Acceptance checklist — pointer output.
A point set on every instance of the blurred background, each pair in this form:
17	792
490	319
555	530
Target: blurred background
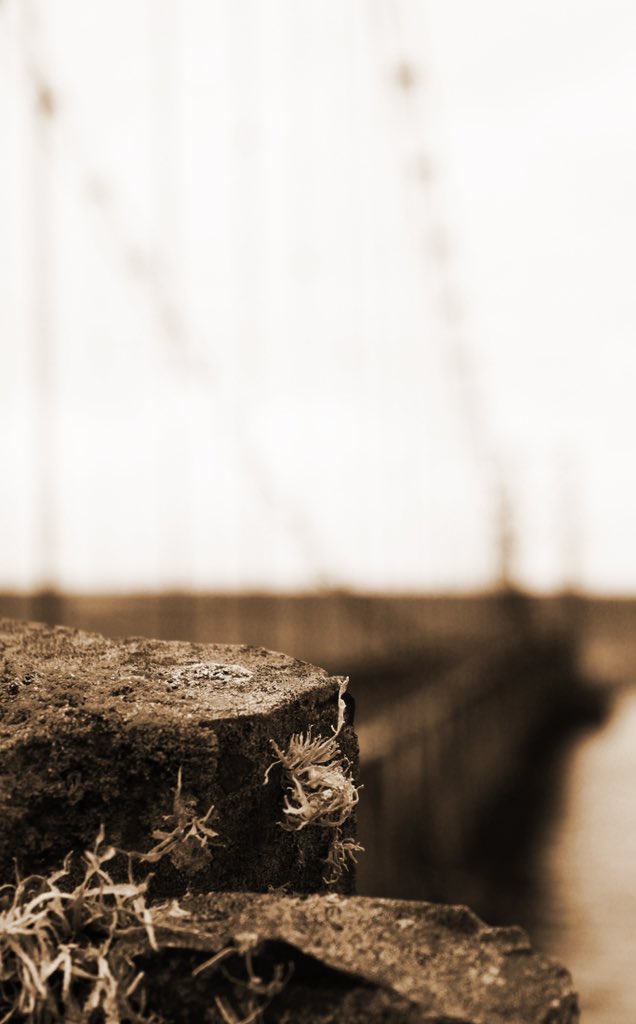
317	328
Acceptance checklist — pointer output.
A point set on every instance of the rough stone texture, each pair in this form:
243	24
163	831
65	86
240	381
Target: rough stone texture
357	959
94	731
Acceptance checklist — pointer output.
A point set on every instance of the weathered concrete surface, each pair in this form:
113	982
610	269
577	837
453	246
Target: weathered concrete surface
94	731
355	959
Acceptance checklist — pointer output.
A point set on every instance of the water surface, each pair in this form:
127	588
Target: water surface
586	914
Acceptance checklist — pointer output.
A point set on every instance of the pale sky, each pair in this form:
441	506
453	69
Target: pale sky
249	231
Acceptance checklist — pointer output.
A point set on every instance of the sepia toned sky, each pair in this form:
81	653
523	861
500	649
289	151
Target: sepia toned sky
303	294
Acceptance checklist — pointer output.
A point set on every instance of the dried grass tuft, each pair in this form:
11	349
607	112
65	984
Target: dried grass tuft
56	960
187	836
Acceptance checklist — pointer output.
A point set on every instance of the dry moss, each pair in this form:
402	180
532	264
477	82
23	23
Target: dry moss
320	791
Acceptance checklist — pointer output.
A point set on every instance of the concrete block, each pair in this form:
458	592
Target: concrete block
354	959
144	737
